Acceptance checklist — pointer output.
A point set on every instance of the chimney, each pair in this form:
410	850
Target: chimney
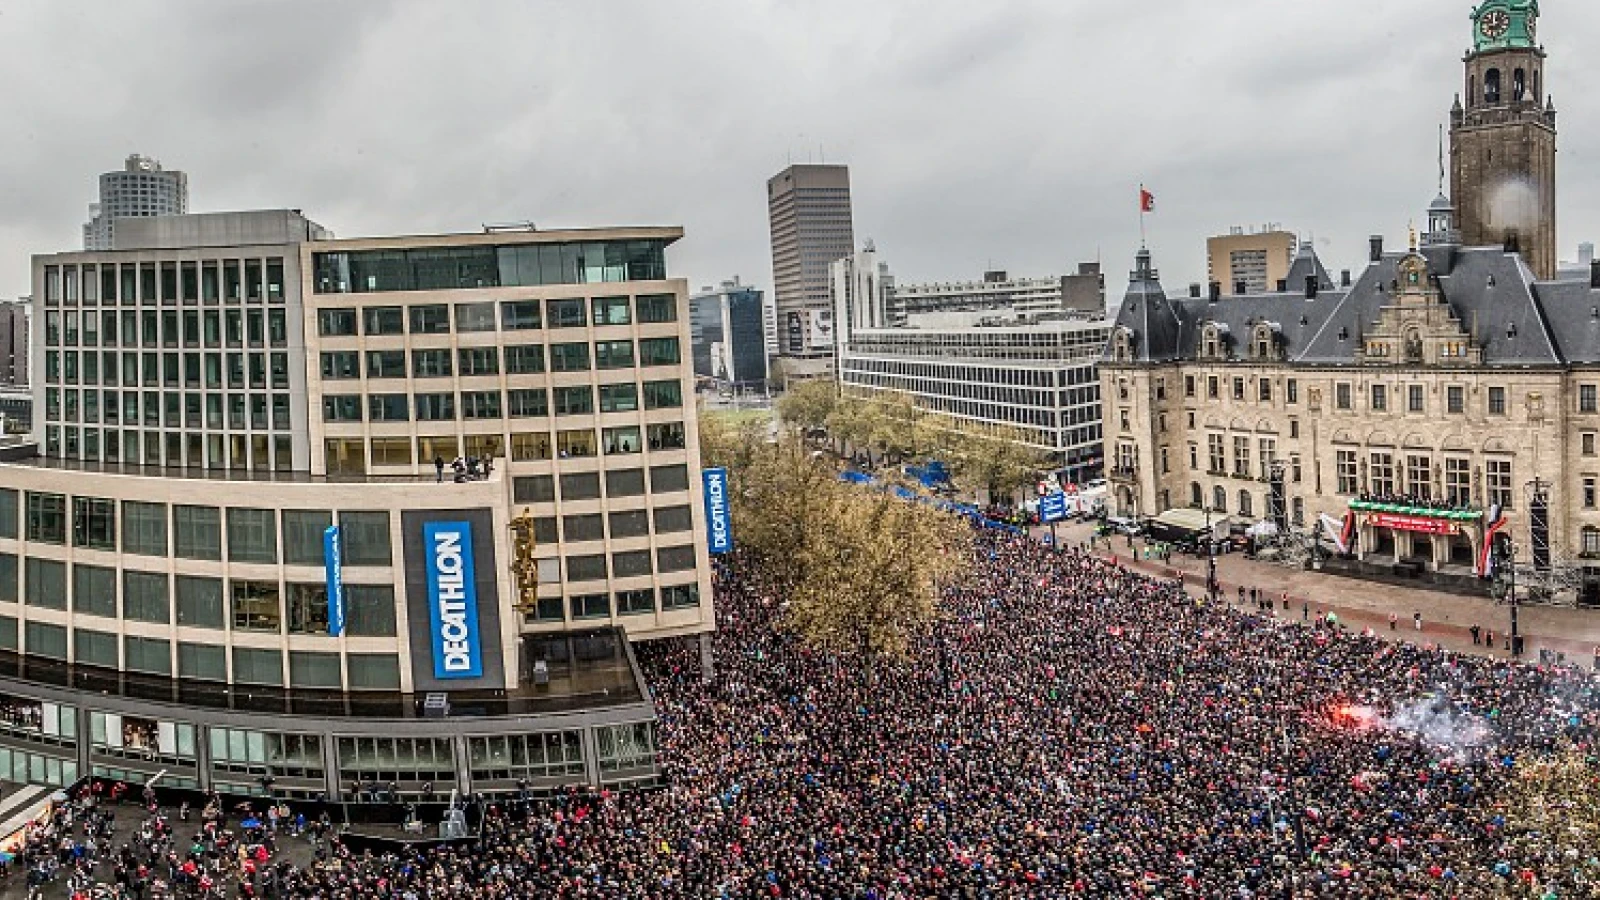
1216	291
1344	278
1194	290
1376	242
1311	287
1283	285
1240	288
1594	274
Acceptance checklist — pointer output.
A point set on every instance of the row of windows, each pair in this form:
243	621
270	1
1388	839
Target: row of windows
167	328
255	452
994	375
243	605
192	410
192	370
623	603
523	359
1378	399
1385	473
1247	505
197	531
486	266
514	315
586	485
167	283
572	400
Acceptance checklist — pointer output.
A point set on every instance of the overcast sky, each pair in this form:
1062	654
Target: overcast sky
1003	133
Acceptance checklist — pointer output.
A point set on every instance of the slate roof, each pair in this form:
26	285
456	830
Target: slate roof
1517	320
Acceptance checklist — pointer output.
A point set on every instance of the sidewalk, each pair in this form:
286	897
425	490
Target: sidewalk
1359	604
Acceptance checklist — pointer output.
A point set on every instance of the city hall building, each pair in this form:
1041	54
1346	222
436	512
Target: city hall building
309	513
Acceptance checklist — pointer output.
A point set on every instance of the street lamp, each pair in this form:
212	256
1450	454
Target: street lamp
1212	588
1505	586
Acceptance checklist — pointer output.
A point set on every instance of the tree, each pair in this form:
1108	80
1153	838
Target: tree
858	569
809	405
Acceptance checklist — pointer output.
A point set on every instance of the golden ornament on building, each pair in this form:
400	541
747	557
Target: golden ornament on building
524	567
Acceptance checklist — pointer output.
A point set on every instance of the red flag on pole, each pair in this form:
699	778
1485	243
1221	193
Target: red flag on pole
1147	200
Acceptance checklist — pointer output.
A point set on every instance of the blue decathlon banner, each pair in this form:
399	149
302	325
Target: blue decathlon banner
333	566
452	600
719	526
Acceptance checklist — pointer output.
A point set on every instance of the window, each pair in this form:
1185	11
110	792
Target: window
94	590
383	320
567	314
479	360
569	357
1211	387
1587	399
94	648
623	440
1414	398
573	401
308	608
519	315
256	606
341	408
533	489
1246	504
1291	391
613	354
144	597
680	596
619	398
625	483
658	351
432	318
1238	388
612	311
673	519
663	395
1455	398
1345	463
1380	398
473	317
1419	477
1188	386
590	606
1241	457
1588	493
392	451
636	602
630	564
302	536
1381	476
1341	396
1458	481
666	436
480	404
251	666
436	407
654	308
430	363
675	559
94	523
8	513
1216	456
45	583
341	364
199	601
669	479
630	524
369	610
366	538
386	364
374	671
197	532
388	407
575	529
576	443
1497	473
589	567
527	403
524	359
1497	401
1591	541
252	536
1268	448
1586	443
580	486
336	322
1264	390
47	518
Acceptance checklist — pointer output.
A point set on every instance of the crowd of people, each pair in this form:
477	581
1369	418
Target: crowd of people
1067	728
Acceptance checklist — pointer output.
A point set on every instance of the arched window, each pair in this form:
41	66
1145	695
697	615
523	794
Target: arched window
1519	85
1246	507
1219	498
1491	86
1197	497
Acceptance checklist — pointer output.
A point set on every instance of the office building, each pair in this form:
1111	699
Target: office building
1084	292
811	222
1000	291
728	331
862	291
142	189
14	343
242	551
1250	262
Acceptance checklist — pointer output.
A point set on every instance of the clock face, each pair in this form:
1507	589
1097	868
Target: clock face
1494	24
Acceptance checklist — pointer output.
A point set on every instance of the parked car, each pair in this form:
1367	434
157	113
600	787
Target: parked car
1119	525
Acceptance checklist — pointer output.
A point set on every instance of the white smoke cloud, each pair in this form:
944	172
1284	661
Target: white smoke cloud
1514	203
1440	724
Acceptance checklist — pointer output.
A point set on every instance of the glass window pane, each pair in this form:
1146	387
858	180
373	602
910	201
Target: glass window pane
144	597
366	538
94	590
144	528
252	536
199	601
302	536
369	610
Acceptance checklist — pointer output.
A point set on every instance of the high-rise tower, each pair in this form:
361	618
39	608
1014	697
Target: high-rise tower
809	211
1503	138
143	188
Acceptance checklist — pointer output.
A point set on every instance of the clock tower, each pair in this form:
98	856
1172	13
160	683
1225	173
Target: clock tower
1503	138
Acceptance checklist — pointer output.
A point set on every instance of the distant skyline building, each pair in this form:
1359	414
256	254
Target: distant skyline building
809	212
728	334
1250	262
862	289
14	342
140	190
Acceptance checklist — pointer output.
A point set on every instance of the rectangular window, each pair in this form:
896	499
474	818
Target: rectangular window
474	317
142	654
383	320
435	407
630	564
431	363
480	404
302	536
586	568
479	361
336	322
1586	443
1264	390
1588	493
1346	465
339	364
1381	474
527	403
366	538
45	583
1455	399
199	601
46	640
530	447
1211	387
612	311
1241	457
526	359
573	401
1188	387
8	513
433	318
625	483
669	479
1497	475
94	590
197	532
663	395
675	559
656	308
673	519
533	489
580	486
308	608
1341	396
386	364
621	441
204	662
1414	398
577	529
619	398
1238	388
94	523
252	535
589	606
1380	398
369	610
1587	399
680	596
1291	391
630	524
341	408
388	407
251	666
637	602
47	518
658	351
94	648
256	606
374	671
576	443
1419	478
567	314
519	315
1497	401
569	357
613	354
144	597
